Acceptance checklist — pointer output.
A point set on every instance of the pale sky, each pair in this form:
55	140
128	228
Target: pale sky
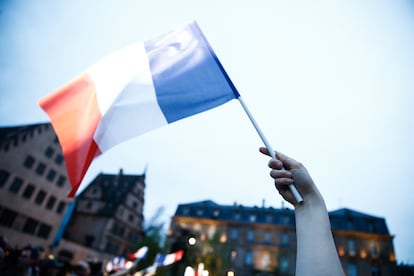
330	83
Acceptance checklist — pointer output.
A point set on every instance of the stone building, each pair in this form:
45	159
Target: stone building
262	241
33	185
112	209
107	216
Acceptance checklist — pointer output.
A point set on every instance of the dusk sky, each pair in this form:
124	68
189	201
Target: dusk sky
331	83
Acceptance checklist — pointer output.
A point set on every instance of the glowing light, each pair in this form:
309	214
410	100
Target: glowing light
192	241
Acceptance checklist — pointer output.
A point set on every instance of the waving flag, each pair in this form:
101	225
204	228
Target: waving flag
139	254
167	259
134	90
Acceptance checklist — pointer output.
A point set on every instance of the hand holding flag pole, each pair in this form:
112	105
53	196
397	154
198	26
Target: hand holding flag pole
292	187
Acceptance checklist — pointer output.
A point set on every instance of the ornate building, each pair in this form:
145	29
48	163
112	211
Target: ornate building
262	241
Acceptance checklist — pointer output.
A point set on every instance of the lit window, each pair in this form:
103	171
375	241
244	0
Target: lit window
265	261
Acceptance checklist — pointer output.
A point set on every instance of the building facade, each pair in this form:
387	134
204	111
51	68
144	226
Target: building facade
112	208
262	241
107	216
33	185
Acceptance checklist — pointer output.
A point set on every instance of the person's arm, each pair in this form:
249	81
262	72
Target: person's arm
316	252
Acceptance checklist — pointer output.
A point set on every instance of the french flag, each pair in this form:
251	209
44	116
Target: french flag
167	259
139	88
139	254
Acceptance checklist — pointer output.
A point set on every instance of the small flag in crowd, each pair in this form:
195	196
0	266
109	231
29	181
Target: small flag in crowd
139	254
134	90
167	259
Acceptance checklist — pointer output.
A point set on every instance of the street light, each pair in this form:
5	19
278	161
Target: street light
192	241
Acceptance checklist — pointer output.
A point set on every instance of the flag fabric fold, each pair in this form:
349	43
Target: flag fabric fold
136	89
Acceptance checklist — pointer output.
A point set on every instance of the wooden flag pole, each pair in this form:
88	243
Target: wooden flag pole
292	187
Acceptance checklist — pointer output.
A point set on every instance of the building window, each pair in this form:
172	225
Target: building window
248	260
352	269
286	220
40	197
30	226
89	205
284	239
28	191
237	216
284	264
49	152
61	181
374	250
252	217
41	167
265	261
4	176
375	271
7	217
28	162
51	175
267	238
269	219
61	207
59	159
216	212
351	247
234	233
200	212
50	202
131	218
44	231
16	185
250	235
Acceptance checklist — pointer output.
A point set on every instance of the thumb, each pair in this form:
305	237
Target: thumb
288	162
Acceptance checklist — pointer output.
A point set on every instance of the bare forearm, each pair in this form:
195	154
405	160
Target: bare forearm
316	251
